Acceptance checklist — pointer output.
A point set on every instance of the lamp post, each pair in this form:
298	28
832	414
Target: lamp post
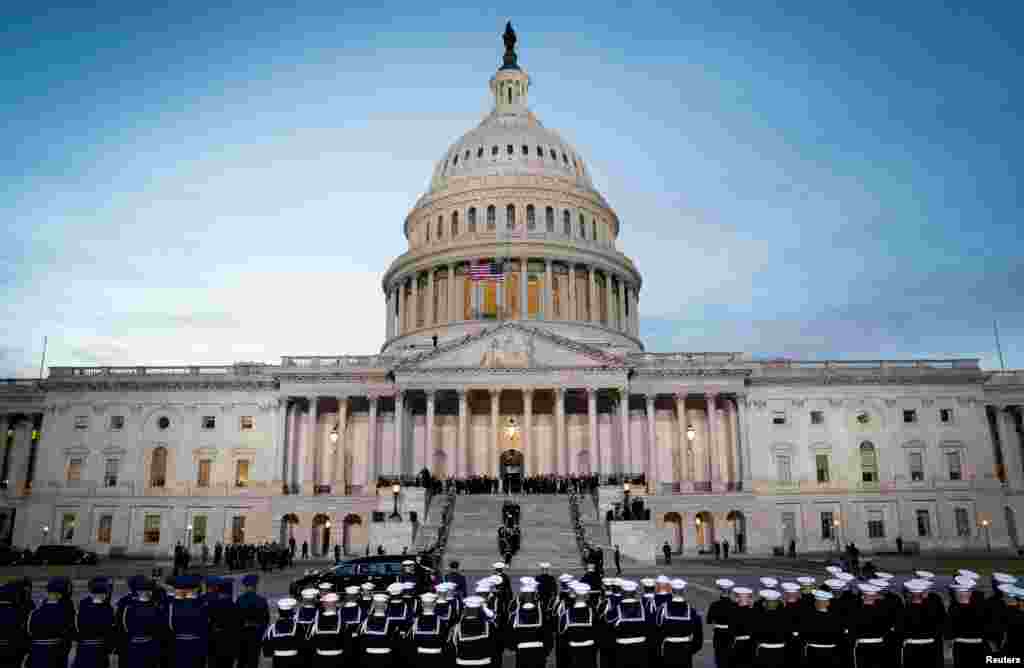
188	538
988	534
395	489
327	527
46	532
835	533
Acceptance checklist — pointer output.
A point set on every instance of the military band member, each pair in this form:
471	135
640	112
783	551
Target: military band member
578	632
720	617
94	627
822	634
741	623
283	642
996	607
680	630
427	638
408	575
965	626
328	638
474	640
527	635
351	613
144	626
377	636
919	627
253	619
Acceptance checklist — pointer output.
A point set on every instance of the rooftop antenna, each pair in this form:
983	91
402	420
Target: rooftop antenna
999	348
42	362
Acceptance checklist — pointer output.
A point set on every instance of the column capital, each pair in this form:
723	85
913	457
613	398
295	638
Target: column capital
650	398
527	391
680	396
494	392
431	395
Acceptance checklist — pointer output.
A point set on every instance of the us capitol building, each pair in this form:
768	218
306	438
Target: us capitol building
512	347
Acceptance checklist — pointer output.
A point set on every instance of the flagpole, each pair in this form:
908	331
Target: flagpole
42	362
999	348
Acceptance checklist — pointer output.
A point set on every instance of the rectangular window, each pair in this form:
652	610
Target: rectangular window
110	473
75	469
209	422
909	416
876	525
116	422
916	467
242	473
67	528
784	469
826	526
105	530
817	417
963	528
946	415
788	527
779	417
246	423
203	479
924	524
821	463
199	529
151	530
953	464
237	529
81	422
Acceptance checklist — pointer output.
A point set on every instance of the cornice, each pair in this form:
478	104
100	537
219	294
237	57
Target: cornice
117	385
866	379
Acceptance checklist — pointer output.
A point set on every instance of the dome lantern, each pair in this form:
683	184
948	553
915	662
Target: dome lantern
510	83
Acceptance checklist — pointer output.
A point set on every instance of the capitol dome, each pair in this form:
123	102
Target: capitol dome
511	228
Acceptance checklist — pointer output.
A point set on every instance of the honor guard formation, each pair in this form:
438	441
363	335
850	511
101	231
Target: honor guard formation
577	623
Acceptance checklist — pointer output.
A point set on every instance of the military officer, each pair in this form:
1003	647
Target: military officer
409	574
528	634
282	642
253	619
474	640
328	639
94	627
144	625
578	631
374	644
720	618
680	630
427	638
966	626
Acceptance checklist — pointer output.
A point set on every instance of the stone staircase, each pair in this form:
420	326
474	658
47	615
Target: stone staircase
547	533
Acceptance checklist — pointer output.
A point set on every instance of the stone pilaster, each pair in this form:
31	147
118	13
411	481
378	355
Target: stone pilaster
572	293
651	447
309	446
714	443
492	456
428	441
373	463
529	453
627	451
685	484
459	466
548	288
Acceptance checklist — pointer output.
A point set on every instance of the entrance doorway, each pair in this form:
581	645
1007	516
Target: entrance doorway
512	471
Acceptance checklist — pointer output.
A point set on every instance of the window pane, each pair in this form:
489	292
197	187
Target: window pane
242	473
105	529
246	422
876	525
821	462
159	468
237	529
67	528
209	422
75	469
110	474
924	525
826	526
962	527
785	473
152	529
916	466
199	529
203	479
116	422
953	462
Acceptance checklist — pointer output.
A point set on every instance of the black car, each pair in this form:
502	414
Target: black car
380	570
11	556
64	555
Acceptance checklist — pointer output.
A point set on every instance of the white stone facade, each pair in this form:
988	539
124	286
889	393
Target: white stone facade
546	363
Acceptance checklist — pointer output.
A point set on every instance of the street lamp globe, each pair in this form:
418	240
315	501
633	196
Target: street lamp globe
691	433
835	523
334	435
698	520
625	487
396	488
328	524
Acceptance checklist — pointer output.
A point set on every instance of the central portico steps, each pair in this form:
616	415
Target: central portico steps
547	532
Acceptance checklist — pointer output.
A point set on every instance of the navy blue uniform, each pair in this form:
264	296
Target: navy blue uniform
13	641
253	619
189	626
49	636
224	641
94	631
680	634
144	627
283	643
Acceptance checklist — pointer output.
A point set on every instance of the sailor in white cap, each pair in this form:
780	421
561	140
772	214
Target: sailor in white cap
632	633
680	628
547	587
772	631
921	626
821	632
327	637
475	640
446	606
366	597
719	617
868	627
792	610
306	613
577	631
528	633
375	640
648	586
282	641
398	612
428	635
662	591
743	623
765	583
968	623
351	612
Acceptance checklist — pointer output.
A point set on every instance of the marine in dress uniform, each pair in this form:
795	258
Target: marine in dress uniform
474	640
869	630
772	631
720	618
189	624
282	642
13	642
329	641
919	627
633	631
822	634
578	632
144	625
426	642
966	625
375	643
527	635
94	627
253	620
680	629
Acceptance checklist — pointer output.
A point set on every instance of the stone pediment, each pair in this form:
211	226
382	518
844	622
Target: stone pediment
511	346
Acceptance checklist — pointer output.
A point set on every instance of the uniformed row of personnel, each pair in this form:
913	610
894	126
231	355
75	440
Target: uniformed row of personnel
866	624
147	628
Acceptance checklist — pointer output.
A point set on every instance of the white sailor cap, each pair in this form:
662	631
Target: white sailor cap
924	575
823	595
329	597
884	576
473	602
678	584
1017	592
724	583
790	587
428	597
527	580
544	565
743	591
967	585
495	580
835	583
309	593
286	604
965	581
395	588
806	580
352	591
868	588
483	587
367	586
770	583
408	586
581	588
445	586
968	574
662	579
769	594
833	569
498	565
565	577
1003	578
528	588
846	577
408	562
647	582
628	586
325	586
380	598
881	583
608	582
916	586
1006	588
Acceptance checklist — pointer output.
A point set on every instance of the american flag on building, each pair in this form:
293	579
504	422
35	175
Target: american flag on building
487	271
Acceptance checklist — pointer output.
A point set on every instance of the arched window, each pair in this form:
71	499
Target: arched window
549	219
566	224
472	219
491	216
531	217
455	224
583	228
480	152
510	216
540	152
440	226
158	469
868	462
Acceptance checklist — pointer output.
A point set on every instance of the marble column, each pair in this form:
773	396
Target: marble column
714	443
592	445
307	445
430	317
326	446
622	324
399	450
492	455
1010	445
609	300
461	467
281	451
548	288
428	441
561	445
651	446
524	308
733	440
452	310
593	311
686	485
387	315
636	312
572	293
341	481
743	431
401	308
529	455
627	452
415	302
372	449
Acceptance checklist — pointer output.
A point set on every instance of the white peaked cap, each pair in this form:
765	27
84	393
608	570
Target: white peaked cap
790	586
324	586
880	583
528	589
565	577
833	569
823	595
495	580
526	579
498	565
915	586
408	586
309	593
963	586
286	604
351	590
1017	592
628	586
742	591
395	588
445	586
678	585
835	583
769	594
647	582
924	575
1004	578
582	588
965	581
408	562
868	588
366	586
428	597
884	576
662	579
724	583
1006	587
330	597
380	598
473	602
608	582
483	587
846	577
968	574
769	582
806	580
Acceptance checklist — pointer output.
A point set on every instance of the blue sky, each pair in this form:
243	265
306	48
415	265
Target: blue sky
197	184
